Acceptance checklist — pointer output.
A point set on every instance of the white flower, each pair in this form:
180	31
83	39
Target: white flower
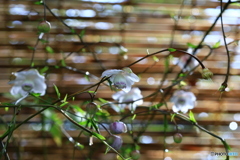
28	81
183	101
134	97
184	59
121	79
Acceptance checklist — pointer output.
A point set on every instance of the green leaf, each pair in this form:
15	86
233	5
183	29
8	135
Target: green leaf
94	125
216	45
191	45
87	77
32	64
102	100
191	117
30	47
73	31
55	131
49	49
172	116
36	94
63	104
155	59
91	91
156	106
56	66
134	116
99	136
38	3
171	49
82	33
57	91
44	69
65	98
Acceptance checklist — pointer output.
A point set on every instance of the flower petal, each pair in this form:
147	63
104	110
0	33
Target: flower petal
110	72
117	95
175	109
133	77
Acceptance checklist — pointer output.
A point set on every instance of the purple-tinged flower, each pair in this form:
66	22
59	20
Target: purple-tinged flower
183	101
28	81
115	141
134	97
121	79
118	127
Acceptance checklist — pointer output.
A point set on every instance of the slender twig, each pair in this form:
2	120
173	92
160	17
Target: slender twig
225	82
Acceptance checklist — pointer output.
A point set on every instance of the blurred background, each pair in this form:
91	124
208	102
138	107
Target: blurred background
89	36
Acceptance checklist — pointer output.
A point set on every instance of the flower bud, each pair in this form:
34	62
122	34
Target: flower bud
135	154
118	127
91	108
177	138
206	73
115	142
44	27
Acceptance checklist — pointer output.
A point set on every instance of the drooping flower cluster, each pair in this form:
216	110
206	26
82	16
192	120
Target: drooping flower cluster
134	97
121	79
183	101
116	128
27	82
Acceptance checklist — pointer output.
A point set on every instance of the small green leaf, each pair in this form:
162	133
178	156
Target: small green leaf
63	63
38	3
171	49
30	47
191	45
56	66
63	104
134	116
36	94
91	91
87	77
73	31
99	136
82	33
49	49
156	106
216	45
155	59
55	131
57	91
182	75
102	100
172	116
32	64
44	69
191	117
65	98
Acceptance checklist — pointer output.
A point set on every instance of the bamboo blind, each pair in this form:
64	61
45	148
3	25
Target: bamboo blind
140	26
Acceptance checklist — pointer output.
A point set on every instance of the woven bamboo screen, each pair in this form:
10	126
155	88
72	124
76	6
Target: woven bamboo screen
88	37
